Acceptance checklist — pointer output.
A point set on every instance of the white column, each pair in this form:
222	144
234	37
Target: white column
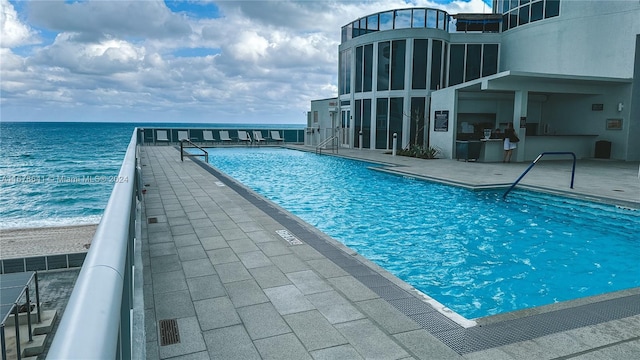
520	111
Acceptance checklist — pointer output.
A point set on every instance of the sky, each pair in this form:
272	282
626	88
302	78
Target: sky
195	61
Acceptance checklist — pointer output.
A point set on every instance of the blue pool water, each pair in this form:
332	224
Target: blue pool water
472	251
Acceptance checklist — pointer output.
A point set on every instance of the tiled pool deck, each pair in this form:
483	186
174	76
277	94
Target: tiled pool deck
214	262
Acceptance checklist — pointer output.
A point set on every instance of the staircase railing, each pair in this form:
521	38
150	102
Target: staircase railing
183	154
324	143
573	169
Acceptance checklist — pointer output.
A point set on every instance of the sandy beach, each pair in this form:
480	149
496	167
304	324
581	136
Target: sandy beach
16	243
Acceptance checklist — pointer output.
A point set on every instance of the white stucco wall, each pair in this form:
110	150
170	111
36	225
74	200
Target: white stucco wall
591	38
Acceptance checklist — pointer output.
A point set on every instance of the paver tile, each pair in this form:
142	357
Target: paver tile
269	276
199	267
314	330
230	343
285	346
370	341
246	292
254	259
231	272
288	299
262	321
308	282
205	287
216	313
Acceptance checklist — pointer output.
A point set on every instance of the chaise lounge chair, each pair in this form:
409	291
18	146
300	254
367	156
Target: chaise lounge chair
275	136
183	135
207	135
257	137
161	135
244	136
224	136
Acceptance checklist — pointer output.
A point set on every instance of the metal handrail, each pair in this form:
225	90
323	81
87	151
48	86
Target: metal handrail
98	317
573	169
324	143
182	154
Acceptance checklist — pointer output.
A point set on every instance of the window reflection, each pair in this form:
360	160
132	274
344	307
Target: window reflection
432	19
372	22
403	19
418	18
442	21
386	20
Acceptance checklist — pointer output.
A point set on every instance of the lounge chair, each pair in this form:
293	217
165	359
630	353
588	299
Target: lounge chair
161	135
224	136
257	137
207	135
275	136
244	136
183	135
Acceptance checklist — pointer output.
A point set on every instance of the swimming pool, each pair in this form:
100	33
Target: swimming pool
472	251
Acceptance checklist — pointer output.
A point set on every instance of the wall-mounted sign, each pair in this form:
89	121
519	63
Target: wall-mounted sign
597	107
441	121
614	124
523	122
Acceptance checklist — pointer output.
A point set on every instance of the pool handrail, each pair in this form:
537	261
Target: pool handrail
98	316
533	163
183	154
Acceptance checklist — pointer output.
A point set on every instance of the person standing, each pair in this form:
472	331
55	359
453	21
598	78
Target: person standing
510	141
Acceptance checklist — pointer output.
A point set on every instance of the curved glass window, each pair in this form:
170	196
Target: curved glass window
442	20
524	15
418	18
420	47
384	60
472	63
403	19
552	8
436	65
372	22
397	19
489	59
398	48
522	12
536	11
386	20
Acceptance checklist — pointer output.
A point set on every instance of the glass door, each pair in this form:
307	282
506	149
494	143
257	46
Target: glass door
345	128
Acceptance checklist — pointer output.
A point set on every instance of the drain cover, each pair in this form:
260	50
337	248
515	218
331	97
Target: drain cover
152	220
169	333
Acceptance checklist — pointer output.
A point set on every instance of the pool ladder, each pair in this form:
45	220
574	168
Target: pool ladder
573	169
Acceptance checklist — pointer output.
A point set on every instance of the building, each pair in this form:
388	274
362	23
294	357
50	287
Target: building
561	71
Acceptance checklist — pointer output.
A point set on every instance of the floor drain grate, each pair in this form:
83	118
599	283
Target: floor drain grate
169	333
152	220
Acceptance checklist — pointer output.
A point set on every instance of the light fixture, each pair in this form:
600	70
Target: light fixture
620	107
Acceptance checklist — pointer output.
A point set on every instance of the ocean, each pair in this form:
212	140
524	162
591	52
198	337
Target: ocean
57	174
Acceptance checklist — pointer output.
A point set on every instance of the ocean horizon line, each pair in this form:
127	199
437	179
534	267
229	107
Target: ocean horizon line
234	125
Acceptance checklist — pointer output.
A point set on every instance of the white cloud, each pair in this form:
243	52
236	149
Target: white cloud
14	32
117	60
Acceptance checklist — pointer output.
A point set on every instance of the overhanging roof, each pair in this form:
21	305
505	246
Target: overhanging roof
543	83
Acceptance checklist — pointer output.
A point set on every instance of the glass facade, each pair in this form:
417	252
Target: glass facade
372	75
521	12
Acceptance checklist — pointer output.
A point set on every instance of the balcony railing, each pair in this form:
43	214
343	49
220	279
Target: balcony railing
98	318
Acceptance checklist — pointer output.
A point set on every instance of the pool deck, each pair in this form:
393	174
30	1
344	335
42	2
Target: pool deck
216	260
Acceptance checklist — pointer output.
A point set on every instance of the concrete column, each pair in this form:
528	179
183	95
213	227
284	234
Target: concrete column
520	111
